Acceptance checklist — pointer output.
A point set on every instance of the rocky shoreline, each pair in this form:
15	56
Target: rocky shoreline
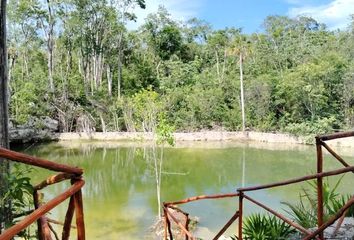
47	129
203	136
34	130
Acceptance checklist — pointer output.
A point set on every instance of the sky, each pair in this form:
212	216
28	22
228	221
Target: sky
249	14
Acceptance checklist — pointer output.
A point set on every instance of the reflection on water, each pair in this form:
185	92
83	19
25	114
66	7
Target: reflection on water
120	190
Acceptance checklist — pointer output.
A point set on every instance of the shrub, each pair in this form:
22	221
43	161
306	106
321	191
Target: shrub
310	129
20	194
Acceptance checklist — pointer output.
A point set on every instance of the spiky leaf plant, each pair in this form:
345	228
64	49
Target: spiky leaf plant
266	227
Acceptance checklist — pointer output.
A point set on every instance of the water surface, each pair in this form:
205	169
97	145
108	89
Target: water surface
120	192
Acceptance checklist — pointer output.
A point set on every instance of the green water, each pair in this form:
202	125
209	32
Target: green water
120	194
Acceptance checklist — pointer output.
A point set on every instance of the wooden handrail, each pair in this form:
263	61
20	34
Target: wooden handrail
167	225
334	154
79	214
335	135
318	234
36	214
34	161
297	180
202	197
280	216
53	180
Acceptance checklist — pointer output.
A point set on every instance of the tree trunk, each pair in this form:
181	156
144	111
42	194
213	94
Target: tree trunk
120	64
5	208
65	96
224	66
103	124
50	47
242	95
217	65
119	73
50	67
109	80
9	75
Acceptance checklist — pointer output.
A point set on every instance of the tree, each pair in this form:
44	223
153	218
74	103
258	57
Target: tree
163	36
240	49
295	70
123	16
44	14
5	208
47	22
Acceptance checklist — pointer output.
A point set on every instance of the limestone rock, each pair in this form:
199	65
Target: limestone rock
34	130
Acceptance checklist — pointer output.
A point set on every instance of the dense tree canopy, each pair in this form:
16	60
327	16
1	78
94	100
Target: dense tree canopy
77	62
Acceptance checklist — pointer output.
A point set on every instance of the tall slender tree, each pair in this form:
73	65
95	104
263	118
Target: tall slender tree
239	50
5	207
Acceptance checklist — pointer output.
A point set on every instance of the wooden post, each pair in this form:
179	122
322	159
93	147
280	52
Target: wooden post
187	225
39	221
168	223
46	233
240	211
68	219
319	186
179	224
165	224
42	224
331	220
79	213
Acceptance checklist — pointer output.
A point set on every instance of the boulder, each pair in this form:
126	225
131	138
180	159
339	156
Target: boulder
50	124
345	232
34	130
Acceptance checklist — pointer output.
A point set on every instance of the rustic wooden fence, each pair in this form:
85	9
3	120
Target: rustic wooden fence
241	194
45	229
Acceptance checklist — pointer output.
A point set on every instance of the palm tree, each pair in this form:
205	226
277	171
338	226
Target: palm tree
239	49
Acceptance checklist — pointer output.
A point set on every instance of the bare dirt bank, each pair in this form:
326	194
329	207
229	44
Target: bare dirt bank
207	136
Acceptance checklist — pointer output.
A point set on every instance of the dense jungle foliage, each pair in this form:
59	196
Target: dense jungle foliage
76	61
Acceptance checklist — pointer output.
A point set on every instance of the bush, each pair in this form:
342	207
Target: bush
309	130
20	194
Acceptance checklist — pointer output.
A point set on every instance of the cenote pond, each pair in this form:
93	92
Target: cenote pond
120	192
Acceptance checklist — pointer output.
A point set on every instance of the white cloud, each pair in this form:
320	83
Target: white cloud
179	10
335	14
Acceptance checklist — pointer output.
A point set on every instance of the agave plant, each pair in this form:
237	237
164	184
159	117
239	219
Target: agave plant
305	211
303	214
340	202
265	227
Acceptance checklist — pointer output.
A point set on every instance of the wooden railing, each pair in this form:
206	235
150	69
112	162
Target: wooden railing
45	229
240	193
